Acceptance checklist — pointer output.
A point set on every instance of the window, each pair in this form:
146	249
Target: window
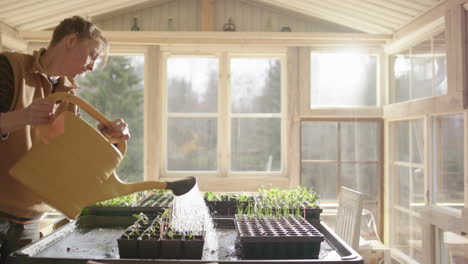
407	172
420	71
452	248
342	153
344	80
117	91
448	160
231	125
192	114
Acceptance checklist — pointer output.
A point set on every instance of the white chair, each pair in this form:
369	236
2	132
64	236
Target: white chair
348	219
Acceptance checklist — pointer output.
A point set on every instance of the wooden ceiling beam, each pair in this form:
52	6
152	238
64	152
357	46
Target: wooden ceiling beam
279	39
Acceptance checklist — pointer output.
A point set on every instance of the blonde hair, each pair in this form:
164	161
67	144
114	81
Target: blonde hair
83	29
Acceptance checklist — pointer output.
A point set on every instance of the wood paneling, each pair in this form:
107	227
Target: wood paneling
246	15
185	17
249	16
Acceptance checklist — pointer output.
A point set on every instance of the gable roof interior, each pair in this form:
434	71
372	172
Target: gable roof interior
369	16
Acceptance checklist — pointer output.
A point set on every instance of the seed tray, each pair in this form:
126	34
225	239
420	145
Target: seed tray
228	208
283	229
95	238
149	243
154	204
277	238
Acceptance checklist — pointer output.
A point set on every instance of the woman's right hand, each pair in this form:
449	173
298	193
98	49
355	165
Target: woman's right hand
40	111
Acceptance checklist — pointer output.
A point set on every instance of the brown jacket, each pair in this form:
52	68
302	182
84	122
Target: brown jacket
30	82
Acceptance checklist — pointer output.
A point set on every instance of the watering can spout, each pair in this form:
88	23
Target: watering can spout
183	186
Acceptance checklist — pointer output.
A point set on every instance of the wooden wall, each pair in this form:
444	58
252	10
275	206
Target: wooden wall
186	15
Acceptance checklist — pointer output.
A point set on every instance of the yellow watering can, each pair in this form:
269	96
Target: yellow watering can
72	165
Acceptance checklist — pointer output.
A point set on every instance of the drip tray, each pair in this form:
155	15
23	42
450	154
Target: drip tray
95	238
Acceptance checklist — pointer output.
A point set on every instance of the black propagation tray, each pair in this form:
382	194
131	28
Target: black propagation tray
154	204
95	238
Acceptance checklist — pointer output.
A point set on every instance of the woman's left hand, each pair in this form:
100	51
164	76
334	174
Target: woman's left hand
117	129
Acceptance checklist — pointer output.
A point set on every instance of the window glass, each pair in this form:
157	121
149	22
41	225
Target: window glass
251	120
408	194
408	236
417	189
255	90
255	85
192	85
402	192
417	141
319	141
401	76
415	242
448	160
192	144
256	144
117	91
440	64
402	140
452	248
335	154
421	70
357	83
403	232
192	106
360	141
323	178
363	178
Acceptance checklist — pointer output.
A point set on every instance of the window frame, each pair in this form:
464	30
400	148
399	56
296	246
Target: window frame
330	205
224	116
409	50
434	177
392	165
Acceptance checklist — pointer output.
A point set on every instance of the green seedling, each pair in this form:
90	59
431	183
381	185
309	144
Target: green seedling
213	197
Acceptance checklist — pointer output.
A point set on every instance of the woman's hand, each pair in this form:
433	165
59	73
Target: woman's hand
40	111
117	129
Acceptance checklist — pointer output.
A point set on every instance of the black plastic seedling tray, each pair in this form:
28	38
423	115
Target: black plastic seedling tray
154	204
281	237
95	238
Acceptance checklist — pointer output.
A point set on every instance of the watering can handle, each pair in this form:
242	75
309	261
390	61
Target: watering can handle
121	143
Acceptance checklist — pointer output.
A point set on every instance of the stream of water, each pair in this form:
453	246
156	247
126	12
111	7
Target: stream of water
191	215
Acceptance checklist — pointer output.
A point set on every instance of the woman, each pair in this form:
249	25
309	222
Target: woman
25	82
